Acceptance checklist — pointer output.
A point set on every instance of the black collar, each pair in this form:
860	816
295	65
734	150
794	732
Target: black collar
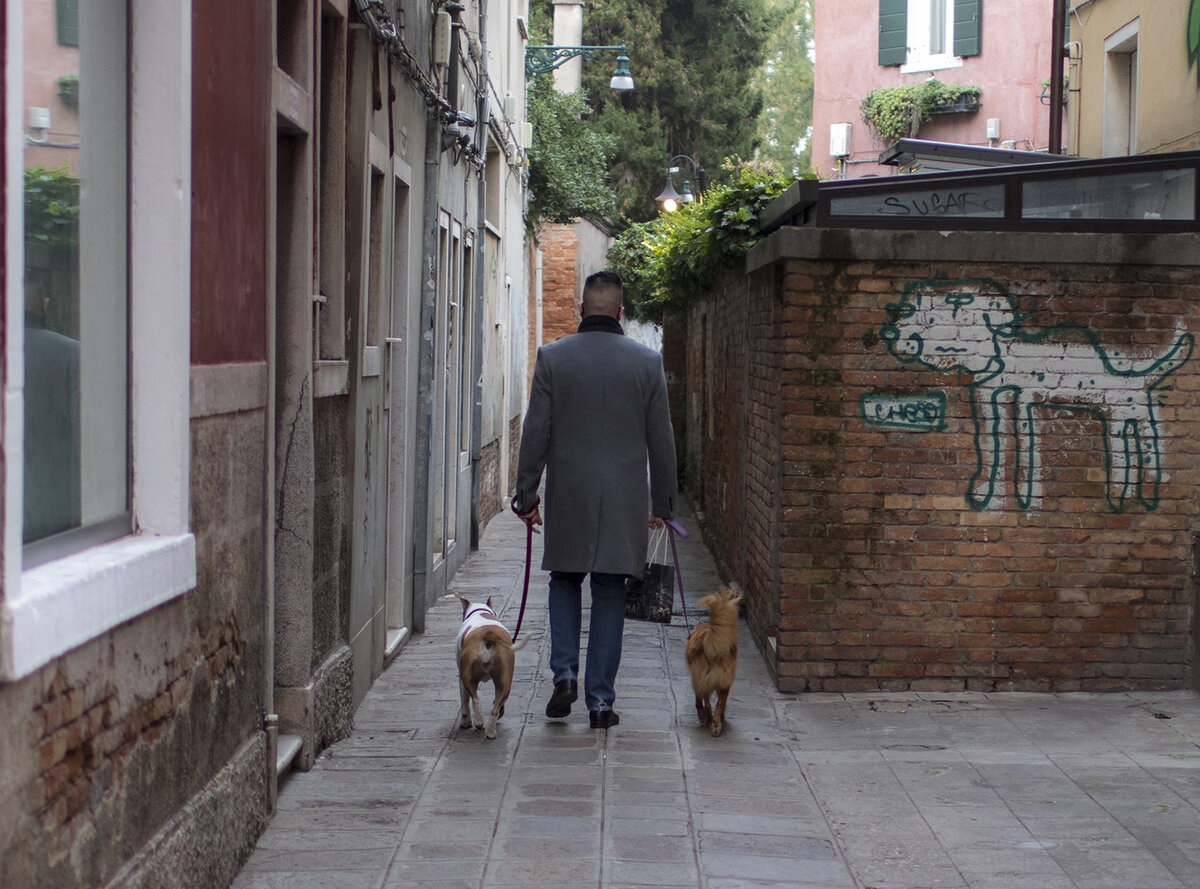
600	324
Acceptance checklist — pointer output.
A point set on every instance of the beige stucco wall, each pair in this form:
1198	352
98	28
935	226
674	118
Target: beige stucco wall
1168	90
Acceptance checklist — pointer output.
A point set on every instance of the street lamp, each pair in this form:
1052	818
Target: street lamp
541	59
669	199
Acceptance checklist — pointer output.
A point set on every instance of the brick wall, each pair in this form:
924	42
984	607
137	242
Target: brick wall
491	498
898	521
675	364
560	289
514	452
85	735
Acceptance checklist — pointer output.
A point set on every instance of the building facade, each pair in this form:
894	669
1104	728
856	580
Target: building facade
264	362
860	46
1121	98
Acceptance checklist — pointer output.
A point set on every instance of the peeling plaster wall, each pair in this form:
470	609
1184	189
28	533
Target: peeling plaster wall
105	745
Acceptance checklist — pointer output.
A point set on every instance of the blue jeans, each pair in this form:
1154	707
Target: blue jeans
604	633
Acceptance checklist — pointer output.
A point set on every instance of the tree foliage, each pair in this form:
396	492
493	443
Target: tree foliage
786	79
568	165
668	260
51	206
693	65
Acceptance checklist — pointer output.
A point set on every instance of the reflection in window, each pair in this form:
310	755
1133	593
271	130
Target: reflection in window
76	350
1151	194
937	27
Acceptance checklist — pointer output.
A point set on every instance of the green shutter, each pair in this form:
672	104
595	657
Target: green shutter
893	32
68	22
968	27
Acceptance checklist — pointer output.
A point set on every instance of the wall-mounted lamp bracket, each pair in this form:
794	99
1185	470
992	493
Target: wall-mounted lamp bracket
542	59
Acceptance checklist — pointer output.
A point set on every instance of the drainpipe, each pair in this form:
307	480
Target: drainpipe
422	529
270	717
1057	40
482	137
538	281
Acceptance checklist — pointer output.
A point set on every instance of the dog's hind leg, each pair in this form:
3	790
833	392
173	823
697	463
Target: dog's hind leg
702	709
1026	458
718	717
476	711
495	714
464	710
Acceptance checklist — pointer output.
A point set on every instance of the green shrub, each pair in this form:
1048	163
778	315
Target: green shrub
667	261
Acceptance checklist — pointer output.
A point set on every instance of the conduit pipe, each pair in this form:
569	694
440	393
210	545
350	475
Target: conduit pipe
482	136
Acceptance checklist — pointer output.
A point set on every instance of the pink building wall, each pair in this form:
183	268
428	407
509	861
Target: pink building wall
1013	61
45	62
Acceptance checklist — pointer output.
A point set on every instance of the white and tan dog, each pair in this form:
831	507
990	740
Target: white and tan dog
485	651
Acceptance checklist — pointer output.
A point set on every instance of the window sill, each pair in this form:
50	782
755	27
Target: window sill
931	63
70	601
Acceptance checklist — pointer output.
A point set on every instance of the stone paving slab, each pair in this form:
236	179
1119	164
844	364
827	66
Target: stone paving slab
862	791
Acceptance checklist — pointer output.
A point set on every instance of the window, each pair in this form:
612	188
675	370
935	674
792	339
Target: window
76	294
105	271
928	35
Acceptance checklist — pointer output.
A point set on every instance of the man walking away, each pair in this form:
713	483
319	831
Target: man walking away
597	413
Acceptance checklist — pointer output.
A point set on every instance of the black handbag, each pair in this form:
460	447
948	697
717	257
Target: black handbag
651	598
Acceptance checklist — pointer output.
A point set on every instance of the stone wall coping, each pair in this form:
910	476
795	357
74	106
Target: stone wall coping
900	245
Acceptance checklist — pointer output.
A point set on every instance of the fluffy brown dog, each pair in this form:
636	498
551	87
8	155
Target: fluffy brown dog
485	651
712	656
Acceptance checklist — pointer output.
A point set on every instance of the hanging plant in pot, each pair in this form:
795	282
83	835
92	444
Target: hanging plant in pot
897	112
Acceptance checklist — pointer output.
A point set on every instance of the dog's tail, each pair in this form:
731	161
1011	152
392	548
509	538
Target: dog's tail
723	605
1176	357
495	636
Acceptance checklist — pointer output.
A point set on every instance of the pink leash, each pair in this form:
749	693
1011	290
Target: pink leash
529	532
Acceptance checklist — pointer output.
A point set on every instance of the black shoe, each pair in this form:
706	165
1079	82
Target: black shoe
565	693
603	718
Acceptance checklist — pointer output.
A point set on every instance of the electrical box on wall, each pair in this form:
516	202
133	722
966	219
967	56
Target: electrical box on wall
442	29
993	128
526	134
38	118
839	140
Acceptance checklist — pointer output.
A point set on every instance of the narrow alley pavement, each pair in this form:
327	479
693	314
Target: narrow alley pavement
880	790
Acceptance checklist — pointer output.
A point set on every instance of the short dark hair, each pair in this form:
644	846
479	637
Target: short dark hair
603	277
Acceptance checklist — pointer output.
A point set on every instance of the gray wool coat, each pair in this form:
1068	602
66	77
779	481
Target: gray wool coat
597	414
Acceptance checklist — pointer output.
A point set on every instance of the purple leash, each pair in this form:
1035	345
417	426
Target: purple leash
677	529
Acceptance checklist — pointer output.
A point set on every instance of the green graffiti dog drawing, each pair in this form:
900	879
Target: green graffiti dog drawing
974	327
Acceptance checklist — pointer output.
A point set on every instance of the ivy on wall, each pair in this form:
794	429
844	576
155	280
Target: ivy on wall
897	112
1193	38
668	260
